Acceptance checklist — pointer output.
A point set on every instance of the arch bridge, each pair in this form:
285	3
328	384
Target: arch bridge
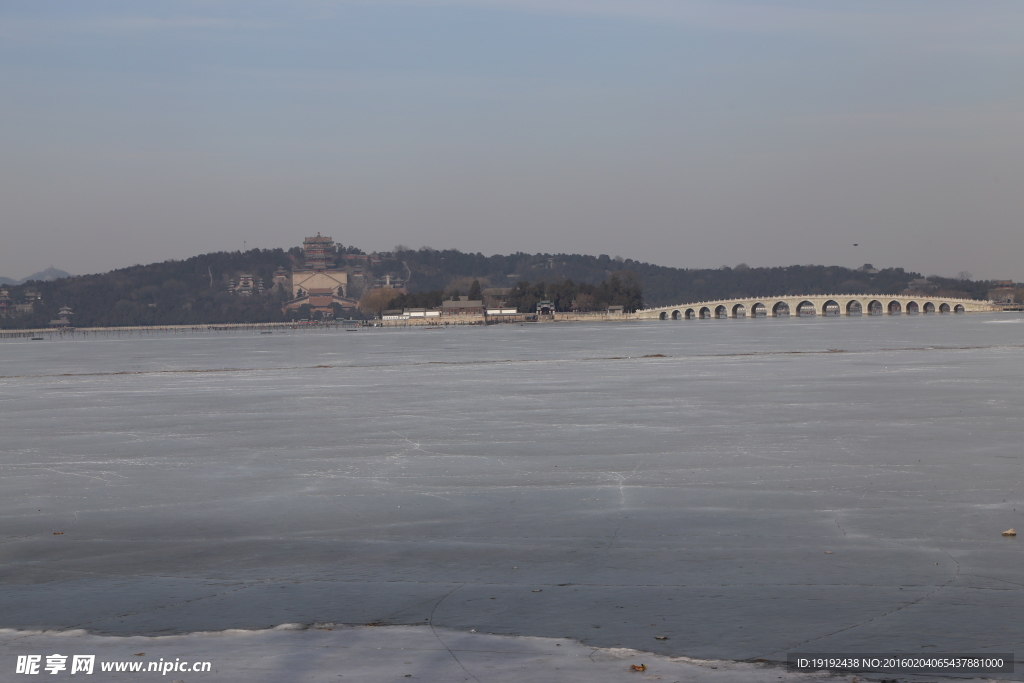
824	305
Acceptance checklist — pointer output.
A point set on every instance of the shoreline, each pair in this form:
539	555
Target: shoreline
597	316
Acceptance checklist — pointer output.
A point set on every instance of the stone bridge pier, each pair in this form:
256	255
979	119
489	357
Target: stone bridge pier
825	305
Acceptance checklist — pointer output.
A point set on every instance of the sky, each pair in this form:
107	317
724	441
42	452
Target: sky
685	133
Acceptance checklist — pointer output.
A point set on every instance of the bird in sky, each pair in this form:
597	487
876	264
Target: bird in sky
856	245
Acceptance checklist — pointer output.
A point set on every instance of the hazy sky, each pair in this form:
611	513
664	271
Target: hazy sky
690	134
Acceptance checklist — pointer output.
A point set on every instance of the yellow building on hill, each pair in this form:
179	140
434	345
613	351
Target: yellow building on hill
319	283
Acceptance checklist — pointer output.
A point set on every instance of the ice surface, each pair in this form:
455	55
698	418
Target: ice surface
232	480
329	652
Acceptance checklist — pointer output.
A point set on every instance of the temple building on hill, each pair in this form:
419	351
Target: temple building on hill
246	285
282	278
63	317
319	272
319	284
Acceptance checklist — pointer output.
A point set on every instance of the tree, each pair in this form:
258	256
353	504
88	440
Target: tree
474	291
621	289
431	299
562	294
583	302
377	301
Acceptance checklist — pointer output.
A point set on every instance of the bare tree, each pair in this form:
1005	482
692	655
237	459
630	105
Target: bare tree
583	302
376	301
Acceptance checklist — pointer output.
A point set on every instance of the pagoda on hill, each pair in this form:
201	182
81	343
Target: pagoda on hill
319	283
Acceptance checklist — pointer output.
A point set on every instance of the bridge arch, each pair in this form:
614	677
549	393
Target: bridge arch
815	305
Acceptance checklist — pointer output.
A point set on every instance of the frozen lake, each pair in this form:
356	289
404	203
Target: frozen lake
750	488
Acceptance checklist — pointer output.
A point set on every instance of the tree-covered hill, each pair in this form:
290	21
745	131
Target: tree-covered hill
662	285
196	290
193	291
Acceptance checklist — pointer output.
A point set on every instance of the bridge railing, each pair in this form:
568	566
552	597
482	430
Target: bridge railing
817	296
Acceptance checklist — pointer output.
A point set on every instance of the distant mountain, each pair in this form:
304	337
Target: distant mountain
48	275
